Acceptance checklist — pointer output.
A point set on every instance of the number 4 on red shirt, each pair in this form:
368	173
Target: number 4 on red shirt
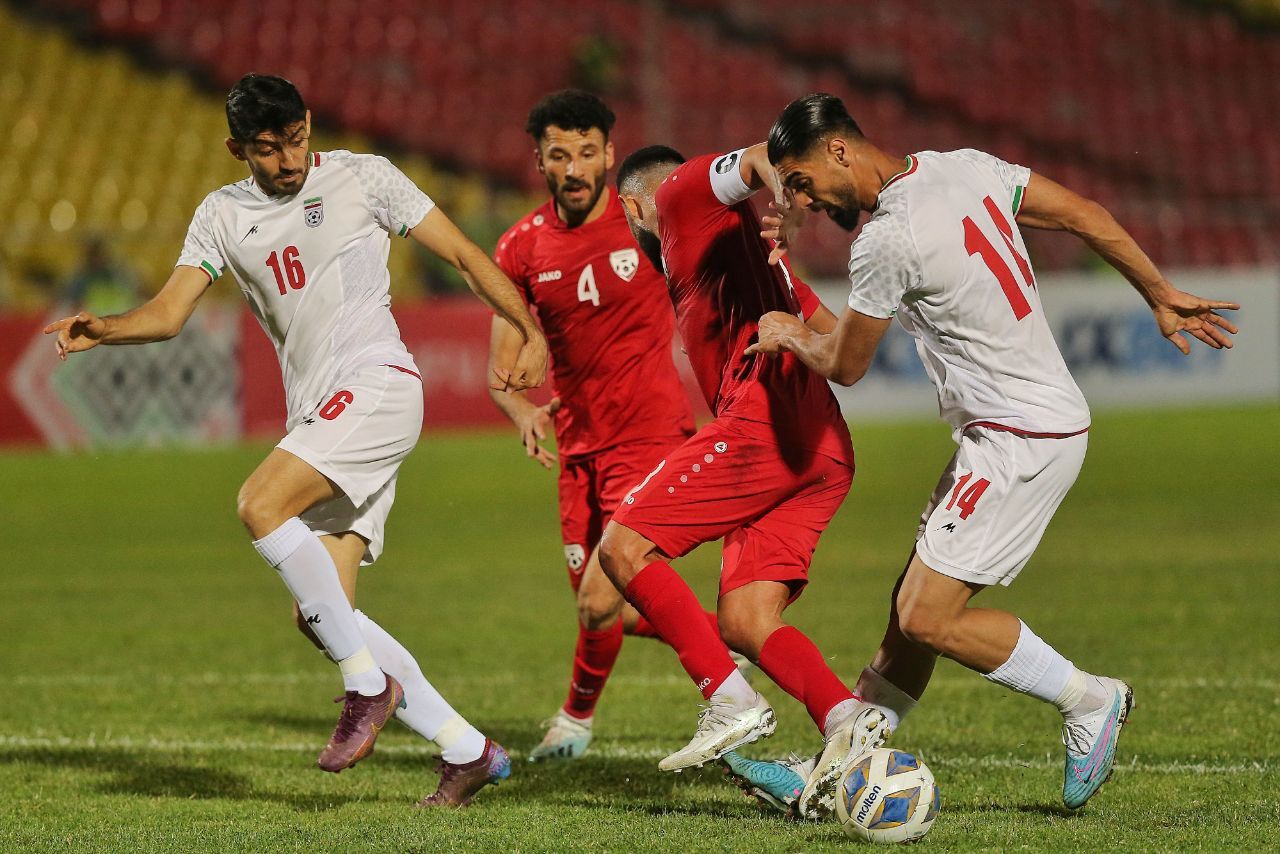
969	500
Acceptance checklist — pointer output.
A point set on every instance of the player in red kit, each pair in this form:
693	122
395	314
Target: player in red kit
767	474
618	403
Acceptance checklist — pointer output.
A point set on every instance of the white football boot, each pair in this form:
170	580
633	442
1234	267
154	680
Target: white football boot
566	738
864	730
1091	744
722	726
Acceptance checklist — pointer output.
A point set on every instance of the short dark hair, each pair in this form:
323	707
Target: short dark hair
643	159
807	120
570	109
263	102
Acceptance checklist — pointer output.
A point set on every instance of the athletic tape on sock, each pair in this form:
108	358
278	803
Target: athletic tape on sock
877	690
454	728
360	662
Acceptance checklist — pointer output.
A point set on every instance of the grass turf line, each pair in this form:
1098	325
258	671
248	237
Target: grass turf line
160	698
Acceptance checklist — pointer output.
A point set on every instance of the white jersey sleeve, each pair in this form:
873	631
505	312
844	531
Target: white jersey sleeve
397	203
1012	178
883	265
200	249
726	178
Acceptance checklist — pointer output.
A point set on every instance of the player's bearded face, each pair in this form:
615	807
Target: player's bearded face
279	161
822	188
574	164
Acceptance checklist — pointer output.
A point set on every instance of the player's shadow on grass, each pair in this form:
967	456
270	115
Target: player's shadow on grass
131	774
1053	810
317	723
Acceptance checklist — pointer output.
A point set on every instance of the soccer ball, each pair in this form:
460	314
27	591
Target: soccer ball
887	796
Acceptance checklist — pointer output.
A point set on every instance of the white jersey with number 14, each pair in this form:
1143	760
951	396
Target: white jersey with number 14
943	252
313	266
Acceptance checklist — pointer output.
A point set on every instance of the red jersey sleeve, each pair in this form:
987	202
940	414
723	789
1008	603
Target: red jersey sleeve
693	190
510	260
809	302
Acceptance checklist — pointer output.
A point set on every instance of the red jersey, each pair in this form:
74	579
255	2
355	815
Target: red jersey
608	322
721	282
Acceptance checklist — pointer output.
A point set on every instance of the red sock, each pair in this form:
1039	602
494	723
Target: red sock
664	599
645	629
792	661
592	662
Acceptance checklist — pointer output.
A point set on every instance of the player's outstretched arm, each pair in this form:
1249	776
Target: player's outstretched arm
531	420
842	355
159	319
1049	205
529	369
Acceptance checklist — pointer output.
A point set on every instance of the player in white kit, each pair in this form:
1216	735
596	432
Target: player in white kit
307	235
942	252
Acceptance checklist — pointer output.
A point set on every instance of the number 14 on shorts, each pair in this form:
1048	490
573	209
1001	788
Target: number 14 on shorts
967	499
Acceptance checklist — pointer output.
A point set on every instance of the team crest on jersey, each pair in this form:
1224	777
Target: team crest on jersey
313	211
625	263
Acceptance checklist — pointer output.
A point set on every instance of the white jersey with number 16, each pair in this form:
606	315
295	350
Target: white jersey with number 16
943	252
313	266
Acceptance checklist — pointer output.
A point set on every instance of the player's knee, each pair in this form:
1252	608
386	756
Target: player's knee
741	632
597	609
922	626
622	554
256	514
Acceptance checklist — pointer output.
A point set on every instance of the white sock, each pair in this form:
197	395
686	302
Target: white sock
307	570
885	696
1038	669
839	713
1084	695
738	689
425	711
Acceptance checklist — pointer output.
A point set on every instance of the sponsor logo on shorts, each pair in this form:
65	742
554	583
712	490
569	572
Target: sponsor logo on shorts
950	527
575	557
704	683
631	496
550	276
313	619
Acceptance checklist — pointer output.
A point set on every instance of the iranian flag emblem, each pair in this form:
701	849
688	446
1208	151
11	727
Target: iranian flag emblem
313	211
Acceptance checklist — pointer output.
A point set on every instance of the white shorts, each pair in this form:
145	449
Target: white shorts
357	438
994	502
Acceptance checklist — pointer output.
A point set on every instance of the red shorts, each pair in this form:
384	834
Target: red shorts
730	480
591	488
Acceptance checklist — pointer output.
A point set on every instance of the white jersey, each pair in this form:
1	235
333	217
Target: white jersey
313	266
943	252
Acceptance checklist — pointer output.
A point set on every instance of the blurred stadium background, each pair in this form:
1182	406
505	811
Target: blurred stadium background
1163	110
132	722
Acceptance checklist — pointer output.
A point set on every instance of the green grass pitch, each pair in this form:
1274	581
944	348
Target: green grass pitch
158	697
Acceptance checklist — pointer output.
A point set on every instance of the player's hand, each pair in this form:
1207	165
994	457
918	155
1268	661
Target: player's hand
76	334
776	330
530	368
781	225
533	424
1177	312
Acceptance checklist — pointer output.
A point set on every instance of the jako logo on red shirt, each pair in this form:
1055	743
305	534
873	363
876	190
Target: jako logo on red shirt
549	276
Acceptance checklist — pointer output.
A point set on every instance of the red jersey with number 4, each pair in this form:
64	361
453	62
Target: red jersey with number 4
721	282
608	322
